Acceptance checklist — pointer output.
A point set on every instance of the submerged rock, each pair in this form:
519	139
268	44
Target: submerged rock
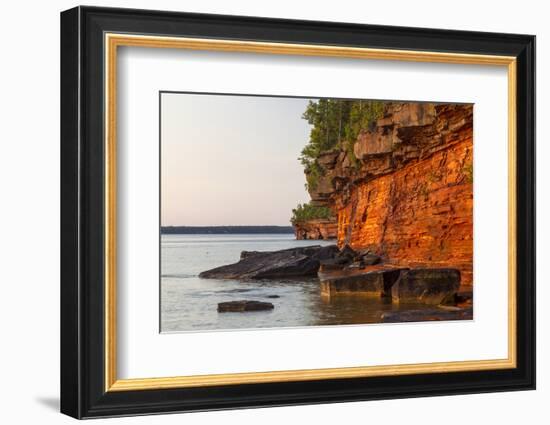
287	263
244	305
426	315
430	286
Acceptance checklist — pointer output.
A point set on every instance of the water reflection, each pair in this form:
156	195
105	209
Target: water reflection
354	309
189	303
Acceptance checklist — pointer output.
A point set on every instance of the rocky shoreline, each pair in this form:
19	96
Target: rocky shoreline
347	272
398	199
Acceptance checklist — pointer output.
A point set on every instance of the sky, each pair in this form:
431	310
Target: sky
231	160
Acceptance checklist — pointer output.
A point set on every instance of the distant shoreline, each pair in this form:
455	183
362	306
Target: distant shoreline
225	230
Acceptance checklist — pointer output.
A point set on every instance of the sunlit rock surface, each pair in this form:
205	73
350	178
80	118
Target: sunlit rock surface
409	195
317	229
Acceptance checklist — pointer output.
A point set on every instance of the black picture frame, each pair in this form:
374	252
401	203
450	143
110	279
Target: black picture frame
83	392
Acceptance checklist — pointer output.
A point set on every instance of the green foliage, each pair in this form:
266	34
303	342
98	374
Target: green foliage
362	116
336	123
314	173
305	212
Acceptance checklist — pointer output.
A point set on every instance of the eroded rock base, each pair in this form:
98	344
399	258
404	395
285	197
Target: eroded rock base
429	286
372	283
401	284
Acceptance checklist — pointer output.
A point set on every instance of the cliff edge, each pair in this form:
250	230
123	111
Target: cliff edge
404	190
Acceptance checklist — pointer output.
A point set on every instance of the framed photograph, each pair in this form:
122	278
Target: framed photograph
261	212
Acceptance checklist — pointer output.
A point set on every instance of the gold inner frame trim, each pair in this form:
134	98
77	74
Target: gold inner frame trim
113	41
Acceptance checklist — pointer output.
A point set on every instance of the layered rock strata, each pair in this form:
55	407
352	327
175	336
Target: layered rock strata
403	285
377	283
317	229
407	192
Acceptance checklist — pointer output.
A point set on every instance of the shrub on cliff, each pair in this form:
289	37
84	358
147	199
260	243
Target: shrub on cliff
335	123
306	212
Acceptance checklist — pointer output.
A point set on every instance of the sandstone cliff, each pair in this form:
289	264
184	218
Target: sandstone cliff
317	229
406	191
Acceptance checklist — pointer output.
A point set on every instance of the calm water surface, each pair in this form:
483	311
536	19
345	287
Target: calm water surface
189	303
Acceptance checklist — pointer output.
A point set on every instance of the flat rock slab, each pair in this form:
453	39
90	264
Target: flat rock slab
426	315
374	282
429	286
287	263
244	305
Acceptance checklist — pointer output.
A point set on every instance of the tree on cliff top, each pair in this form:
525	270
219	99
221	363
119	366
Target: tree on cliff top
336	124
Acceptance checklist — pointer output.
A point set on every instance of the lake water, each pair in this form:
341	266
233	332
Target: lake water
189	303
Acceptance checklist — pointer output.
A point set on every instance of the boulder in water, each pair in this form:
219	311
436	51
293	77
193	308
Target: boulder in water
243	305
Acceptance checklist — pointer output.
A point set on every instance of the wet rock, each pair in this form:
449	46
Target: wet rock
243	305
464	299
370	259
332	264
460	299
429	286
356	265
273	296
426	315
287	263
246	254
348	258
374	283
347	253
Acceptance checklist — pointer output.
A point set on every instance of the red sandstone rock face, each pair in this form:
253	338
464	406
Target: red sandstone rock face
317	229
420	215
410	199
387	135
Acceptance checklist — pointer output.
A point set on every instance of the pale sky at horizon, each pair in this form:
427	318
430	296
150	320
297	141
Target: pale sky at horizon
231	160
